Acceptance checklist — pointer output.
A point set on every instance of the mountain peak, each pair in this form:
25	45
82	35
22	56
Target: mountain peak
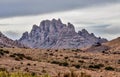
54	34
84	31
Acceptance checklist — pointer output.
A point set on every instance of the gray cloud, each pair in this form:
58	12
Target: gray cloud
97	16
10	8
12	34
107	31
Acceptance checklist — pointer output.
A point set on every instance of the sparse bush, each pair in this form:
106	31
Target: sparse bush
19	56
109	68
56	50
60	63
28	58
64	64
118	61
51	54
81	61
55	62
66	57
3	52
28	64
85	57
77	66
97	66
34	64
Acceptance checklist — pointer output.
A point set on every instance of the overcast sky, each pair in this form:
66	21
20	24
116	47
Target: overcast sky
101	17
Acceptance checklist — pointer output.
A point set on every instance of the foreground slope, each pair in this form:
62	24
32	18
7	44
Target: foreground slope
55	34
59	62
114	44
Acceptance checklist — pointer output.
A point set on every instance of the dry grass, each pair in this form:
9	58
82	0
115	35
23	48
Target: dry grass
60	62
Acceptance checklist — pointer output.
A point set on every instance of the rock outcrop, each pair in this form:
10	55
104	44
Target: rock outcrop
55	34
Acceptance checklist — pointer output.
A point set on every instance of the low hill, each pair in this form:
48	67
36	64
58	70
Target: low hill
7	42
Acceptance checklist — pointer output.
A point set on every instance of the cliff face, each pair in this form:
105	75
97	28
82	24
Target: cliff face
55	34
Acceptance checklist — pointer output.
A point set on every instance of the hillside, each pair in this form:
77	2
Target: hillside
114	44
59	63
6	42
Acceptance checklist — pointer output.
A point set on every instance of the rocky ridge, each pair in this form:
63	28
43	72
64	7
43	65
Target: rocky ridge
6	42
54	34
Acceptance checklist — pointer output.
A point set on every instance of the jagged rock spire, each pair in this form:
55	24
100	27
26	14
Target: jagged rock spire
54	34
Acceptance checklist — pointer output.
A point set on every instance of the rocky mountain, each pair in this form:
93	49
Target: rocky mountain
54	34
6	42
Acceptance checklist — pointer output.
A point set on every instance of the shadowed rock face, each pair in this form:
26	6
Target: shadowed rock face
6	42
55	34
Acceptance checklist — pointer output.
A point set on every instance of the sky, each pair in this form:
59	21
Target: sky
101	17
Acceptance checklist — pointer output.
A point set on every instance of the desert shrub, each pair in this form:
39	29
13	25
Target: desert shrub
21	63
28	58
109	68
64	64
51	54
97	66
3	52
118	62
66	57
19	56
77	66
81	61
56	50
28	64
34	64
61	55
85	57
55	62
60	63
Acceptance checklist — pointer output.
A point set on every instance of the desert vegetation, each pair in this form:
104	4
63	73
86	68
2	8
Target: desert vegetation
58	62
